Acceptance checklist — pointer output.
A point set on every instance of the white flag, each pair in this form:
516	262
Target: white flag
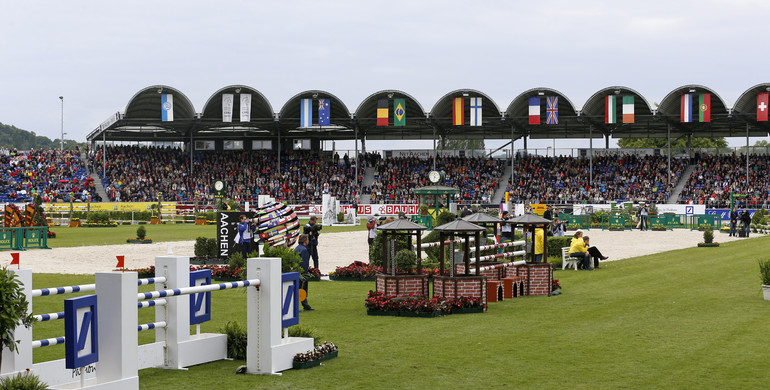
227	107
245	107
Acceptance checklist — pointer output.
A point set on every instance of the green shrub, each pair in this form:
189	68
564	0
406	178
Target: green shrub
25	381
290	260
101	217
236	260
211	247
375	250
406	260
304	331
201	248
445	217
708	235
141	232
556	243
236	340
759	217
764	271
340	217
14	309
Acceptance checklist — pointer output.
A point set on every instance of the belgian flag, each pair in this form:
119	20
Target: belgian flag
382	112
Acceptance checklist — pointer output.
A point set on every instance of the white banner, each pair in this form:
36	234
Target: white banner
687	209
245	107
227	107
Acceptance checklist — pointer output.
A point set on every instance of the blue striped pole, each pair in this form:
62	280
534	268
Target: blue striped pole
154	325
153	303
47	342
63	290
197	289
49	316
146	281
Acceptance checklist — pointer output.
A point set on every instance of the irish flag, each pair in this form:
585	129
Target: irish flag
628	109
610	113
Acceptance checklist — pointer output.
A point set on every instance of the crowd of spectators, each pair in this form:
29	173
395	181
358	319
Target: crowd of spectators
135	173
539	179
52	174
716	177
396	178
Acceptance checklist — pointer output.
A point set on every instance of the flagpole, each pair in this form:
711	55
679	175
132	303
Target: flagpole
61	141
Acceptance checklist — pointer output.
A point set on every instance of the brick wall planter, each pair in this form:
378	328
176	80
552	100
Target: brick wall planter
403	284
350	279
460	286
538	277
491	274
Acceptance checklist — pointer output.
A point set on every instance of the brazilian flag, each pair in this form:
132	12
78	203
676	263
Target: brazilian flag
399	112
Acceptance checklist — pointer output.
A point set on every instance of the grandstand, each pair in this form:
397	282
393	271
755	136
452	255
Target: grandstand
238	137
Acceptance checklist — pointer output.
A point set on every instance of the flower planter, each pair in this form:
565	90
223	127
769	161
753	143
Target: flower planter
135	241
204	260
330	355
708	245
350	279
766	291
382	313
304	365
74	223
466	310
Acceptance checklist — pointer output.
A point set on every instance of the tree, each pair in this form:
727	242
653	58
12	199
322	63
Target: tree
462	144
655	143
13	310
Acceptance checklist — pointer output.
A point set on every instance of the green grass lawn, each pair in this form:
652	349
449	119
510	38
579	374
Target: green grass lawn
71	237
686	319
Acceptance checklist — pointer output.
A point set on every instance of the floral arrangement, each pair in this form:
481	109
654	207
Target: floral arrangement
313	274
555	285
364	270
377	301
217	271
315	354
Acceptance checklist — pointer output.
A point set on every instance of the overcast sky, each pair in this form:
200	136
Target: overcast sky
97	54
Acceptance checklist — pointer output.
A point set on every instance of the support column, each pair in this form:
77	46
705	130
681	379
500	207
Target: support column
118	336
747	158
668	139
591	155
176	313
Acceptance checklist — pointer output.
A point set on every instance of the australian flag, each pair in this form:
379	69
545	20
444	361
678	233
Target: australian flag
324	112
552	110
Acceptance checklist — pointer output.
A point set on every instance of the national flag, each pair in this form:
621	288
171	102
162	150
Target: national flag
227	107
475	111
628	109
610	109
15	259
306	113
399	112
762	106
245	107
121	261
534	110
552	110
324	112
382	112
167	107
704	107
458	112
685	108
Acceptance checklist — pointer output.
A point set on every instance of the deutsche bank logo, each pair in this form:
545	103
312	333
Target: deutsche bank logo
689	210
80	332
200	303
290	293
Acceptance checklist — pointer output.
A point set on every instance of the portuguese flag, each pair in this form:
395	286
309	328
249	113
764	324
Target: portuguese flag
704	107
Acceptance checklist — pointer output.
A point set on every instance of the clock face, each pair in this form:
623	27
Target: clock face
218	185
434	176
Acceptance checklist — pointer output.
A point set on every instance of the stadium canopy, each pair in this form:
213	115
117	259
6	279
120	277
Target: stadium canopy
644	124
567	123
415	119
339	128
242	102
490	126
747	107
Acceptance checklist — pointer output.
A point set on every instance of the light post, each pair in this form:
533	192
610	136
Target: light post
62	124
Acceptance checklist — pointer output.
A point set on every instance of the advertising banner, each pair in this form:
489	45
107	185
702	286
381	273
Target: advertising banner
227	229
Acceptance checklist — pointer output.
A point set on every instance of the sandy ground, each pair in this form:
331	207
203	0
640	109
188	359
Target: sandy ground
335	249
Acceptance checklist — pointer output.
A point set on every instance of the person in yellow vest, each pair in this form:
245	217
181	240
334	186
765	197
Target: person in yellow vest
539	245
579	249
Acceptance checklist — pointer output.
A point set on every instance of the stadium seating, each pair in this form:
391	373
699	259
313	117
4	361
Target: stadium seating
51	173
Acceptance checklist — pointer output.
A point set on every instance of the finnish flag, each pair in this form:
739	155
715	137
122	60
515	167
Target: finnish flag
167	107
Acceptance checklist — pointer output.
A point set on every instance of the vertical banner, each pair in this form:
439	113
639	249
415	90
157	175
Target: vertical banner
227	107
458	112
534	110
324	112
610	113
382	112
476	111
628	109
399	112
762	106
306	113
227	229
704	107
551	110
685	108
245	107
167	107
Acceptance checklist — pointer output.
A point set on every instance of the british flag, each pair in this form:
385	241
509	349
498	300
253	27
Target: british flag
552	110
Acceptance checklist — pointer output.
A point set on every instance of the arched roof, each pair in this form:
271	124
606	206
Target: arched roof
644	123
415	118
145	104
722	123
745	108
340	127
491	118
569	126
262	117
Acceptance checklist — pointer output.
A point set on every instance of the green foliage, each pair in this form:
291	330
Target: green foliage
445	217
304	331
25	381
759	216
13	309
237	337
406	260
462	144
556	243
697	142
764	271
340	217
102	217
209	215
141	232
423	210
39	219
708	235
13	137
290	260
201	246
375	250
236	260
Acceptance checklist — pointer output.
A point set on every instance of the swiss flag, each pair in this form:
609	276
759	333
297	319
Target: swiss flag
762	106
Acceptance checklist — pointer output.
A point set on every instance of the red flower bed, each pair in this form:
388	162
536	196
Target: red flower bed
377	301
